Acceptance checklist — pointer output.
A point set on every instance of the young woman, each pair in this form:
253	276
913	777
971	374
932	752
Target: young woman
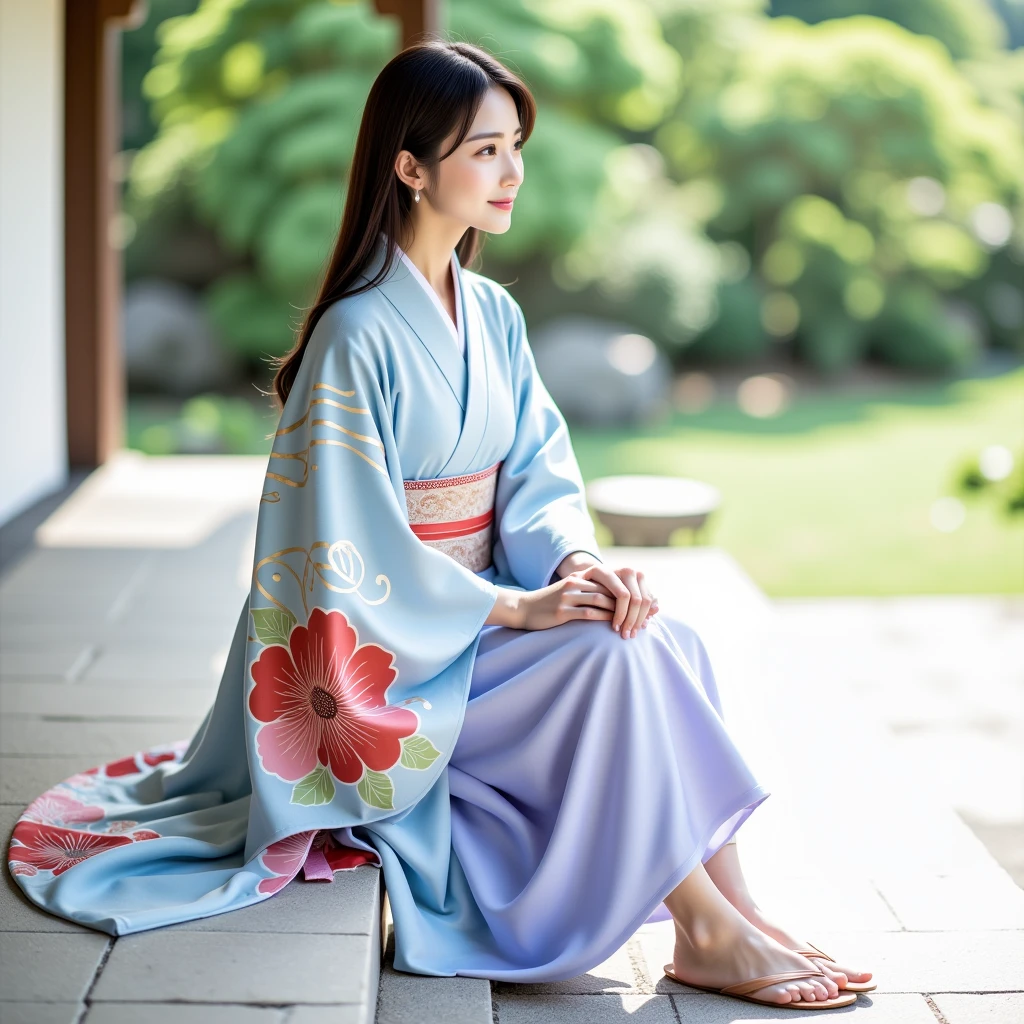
435	670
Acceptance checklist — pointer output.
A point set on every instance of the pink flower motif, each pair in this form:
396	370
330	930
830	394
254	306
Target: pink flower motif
343	858
284	858
57	807
154	759
121	825
130	765
322	699
145	833
82	780
56	849
122	766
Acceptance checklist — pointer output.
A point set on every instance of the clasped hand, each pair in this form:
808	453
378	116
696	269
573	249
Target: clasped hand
596	592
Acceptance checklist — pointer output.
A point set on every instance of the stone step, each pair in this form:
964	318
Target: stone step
419	999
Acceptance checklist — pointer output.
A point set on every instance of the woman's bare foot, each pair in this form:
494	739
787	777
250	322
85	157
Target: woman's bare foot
727	956
716	946
724	870
836	971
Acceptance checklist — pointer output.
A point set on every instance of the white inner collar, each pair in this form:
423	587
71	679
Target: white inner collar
456	328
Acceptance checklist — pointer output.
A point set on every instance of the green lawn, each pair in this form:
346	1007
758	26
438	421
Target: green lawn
833	496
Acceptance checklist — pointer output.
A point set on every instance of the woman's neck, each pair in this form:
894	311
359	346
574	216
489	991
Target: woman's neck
431	251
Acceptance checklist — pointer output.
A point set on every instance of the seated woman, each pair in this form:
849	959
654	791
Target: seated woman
435	670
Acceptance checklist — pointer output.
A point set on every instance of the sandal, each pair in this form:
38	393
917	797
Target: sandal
850	986
740	990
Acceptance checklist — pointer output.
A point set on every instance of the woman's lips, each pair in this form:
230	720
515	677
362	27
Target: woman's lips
504	204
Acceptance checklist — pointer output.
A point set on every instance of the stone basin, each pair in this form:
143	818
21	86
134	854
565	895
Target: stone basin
644	511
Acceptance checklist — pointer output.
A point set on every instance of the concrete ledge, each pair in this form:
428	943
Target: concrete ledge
418	999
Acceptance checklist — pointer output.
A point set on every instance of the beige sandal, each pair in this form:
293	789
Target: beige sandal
850	986
740	990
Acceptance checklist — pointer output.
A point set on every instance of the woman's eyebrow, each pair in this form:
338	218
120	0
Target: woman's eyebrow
492	135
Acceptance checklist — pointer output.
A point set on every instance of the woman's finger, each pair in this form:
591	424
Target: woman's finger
647	599
632	611
588	587
615	586
587	611
595	600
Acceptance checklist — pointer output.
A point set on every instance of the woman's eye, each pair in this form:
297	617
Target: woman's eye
518	145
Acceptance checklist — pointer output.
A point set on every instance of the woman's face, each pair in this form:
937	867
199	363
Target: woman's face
486	168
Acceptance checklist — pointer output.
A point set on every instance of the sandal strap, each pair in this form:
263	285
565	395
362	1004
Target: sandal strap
742	988
813	950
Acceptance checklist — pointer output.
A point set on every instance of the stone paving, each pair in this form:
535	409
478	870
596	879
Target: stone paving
869	721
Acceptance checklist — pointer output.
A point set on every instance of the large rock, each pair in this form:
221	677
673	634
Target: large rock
602	373
169	344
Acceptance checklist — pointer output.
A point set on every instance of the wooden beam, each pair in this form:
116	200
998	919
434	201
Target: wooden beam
92	265
416	16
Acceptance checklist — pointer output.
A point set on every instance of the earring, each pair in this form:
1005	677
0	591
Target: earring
417	195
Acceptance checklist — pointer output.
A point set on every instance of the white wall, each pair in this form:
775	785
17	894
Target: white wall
33	445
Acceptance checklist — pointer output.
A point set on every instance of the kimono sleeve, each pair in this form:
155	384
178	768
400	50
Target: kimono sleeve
344	515
540	502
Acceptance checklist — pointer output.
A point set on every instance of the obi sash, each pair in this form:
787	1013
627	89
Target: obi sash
456	515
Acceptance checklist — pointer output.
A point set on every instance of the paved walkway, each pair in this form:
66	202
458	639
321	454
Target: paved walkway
869	721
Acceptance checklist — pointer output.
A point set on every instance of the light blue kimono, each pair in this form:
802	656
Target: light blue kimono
366	713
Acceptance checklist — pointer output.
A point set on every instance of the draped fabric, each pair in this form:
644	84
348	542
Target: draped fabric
367	714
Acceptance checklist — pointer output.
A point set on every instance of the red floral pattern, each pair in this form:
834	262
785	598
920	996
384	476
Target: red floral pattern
50	848
130	765
322	701
56	831
284	858
121	825
58	807
340	857
287	856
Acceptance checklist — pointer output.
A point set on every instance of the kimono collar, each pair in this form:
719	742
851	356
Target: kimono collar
457	329
466	376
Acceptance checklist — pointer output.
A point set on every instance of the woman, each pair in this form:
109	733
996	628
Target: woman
436	671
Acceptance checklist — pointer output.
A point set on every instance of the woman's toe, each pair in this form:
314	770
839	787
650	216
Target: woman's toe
839	977
848	975
805	991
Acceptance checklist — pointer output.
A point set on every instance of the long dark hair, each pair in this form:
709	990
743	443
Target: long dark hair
421	96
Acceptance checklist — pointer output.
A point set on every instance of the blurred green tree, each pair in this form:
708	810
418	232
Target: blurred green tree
138	47
258	104
967	28
867	182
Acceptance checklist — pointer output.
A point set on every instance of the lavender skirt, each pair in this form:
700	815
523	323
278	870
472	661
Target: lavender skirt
591	775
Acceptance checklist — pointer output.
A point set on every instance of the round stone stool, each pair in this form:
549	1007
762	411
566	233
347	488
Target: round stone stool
643	511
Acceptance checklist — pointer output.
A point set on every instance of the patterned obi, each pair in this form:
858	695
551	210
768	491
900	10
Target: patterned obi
456	515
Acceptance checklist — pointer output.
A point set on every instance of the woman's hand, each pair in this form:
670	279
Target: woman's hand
596	592
572	597
634	602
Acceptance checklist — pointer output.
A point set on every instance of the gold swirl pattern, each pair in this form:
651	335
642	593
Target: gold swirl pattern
302	456
343	561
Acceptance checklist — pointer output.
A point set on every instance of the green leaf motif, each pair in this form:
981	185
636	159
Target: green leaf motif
377	790
418	752
316	788
273	626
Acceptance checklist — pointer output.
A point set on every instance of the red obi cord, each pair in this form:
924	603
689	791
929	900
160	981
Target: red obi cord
456	528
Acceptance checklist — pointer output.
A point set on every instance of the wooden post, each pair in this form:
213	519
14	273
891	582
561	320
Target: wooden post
416	16
92	264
